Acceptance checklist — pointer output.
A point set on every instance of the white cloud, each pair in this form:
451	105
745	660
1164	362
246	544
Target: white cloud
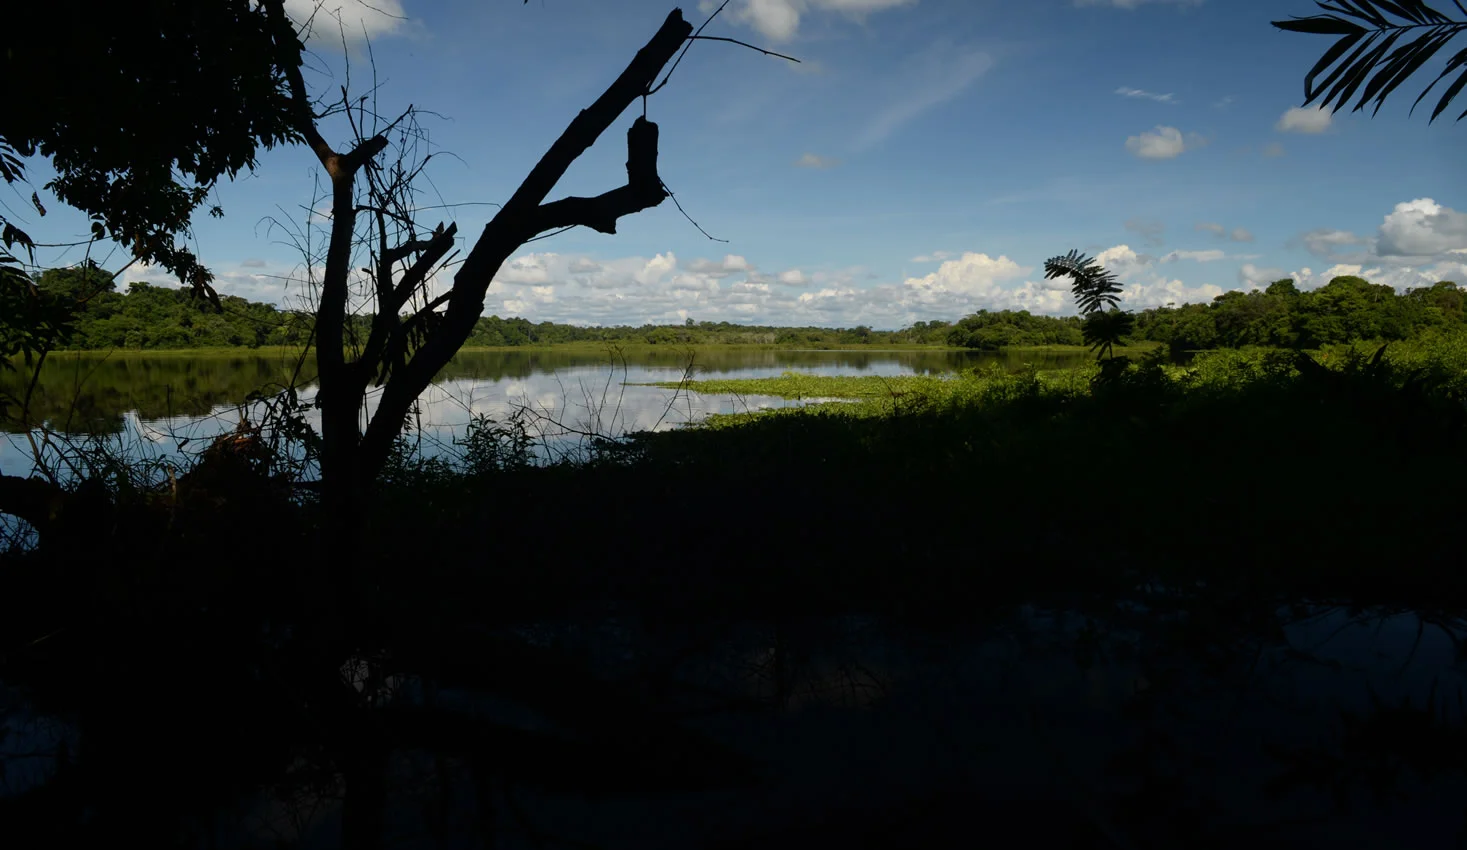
1240	234
1224	102
1123	91
357	19
1419	234
584	265
969	274
1305	119
1253	277
1163	143
1142	287
815	160
1273	149
934	257
1422	228
780	19
1161	292
1418	243
524	270
263	282
1123	261
941	73
793	277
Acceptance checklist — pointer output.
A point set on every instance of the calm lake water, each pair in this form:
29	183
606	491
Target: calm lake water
152	405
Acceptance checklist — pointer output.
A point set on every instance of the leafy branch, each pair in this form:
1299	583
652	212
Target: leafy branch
1369	38
1097	293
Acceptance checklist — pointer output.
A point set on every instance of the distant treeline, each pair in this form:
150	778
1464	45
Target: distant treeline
1346	309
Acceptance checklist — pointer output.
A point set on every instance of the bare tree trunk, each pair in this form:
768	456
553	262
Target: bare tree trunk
527	215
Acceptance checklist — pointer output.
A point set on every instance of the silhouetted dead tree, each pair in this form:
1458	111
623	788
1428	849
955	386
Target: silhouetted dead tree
404	351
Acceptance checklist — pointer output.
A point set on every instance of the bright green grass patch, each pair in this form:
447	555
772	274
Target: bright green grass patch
956	386
798	385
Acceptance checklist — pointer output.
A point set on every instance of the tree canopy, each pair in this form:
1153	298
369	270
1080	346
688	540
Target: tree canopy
1346	309
159	100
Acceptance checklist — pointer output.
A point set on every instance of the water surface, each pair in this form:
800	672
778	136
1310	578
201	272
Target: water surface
155	406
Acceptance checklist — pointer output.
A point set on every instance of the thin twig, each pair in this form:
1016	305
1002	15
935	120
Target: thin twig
742	44
688	217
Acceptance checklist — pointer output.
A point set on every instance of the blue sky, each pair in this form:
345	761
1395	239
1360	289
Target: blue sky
922	161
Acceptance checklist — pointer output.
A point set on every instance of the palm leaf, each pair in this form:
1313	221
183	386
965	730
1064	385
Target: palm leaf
1094	288
1372	64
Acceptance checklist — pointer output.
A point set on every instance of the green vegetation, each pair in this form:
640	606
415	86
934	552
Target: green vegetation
797	386
159	318
1346	309
990	331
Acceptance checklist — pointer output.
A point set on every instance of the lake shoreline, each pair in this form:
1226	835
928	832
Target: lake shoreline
600	346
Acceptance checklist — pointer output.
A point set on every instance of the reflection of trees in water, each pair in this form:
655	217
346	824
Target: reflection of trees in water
90	394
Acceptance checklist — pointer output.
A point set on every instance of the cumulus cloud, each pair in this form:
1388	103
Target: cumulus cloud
815	160
1124	261
780	19
1163	143
1124	91
1150	231
1305	119
1399	277
1415	233
584	265
1418	243
1422	228
793	277
255	280
1255	277
934	257
1142	287
357	19
1161	292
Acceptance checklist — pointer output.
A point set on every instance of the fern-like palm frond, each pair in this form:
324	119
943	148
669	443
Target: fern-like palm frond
1094	287
1368	30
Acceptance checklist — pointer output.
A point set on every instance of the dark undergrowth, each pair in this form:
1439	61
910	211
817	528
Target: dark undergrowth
173	626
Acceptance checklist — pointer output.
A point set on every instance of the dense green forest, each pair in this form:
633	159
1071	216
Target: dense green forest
1347	308
1281	316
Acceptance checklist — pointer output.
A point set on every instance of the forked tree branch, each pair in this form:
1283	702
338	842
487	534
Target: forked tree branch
525	214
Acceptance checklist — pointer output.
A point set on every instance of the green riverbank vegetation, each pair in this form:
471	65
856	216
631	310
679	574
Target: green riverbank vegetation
147	318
